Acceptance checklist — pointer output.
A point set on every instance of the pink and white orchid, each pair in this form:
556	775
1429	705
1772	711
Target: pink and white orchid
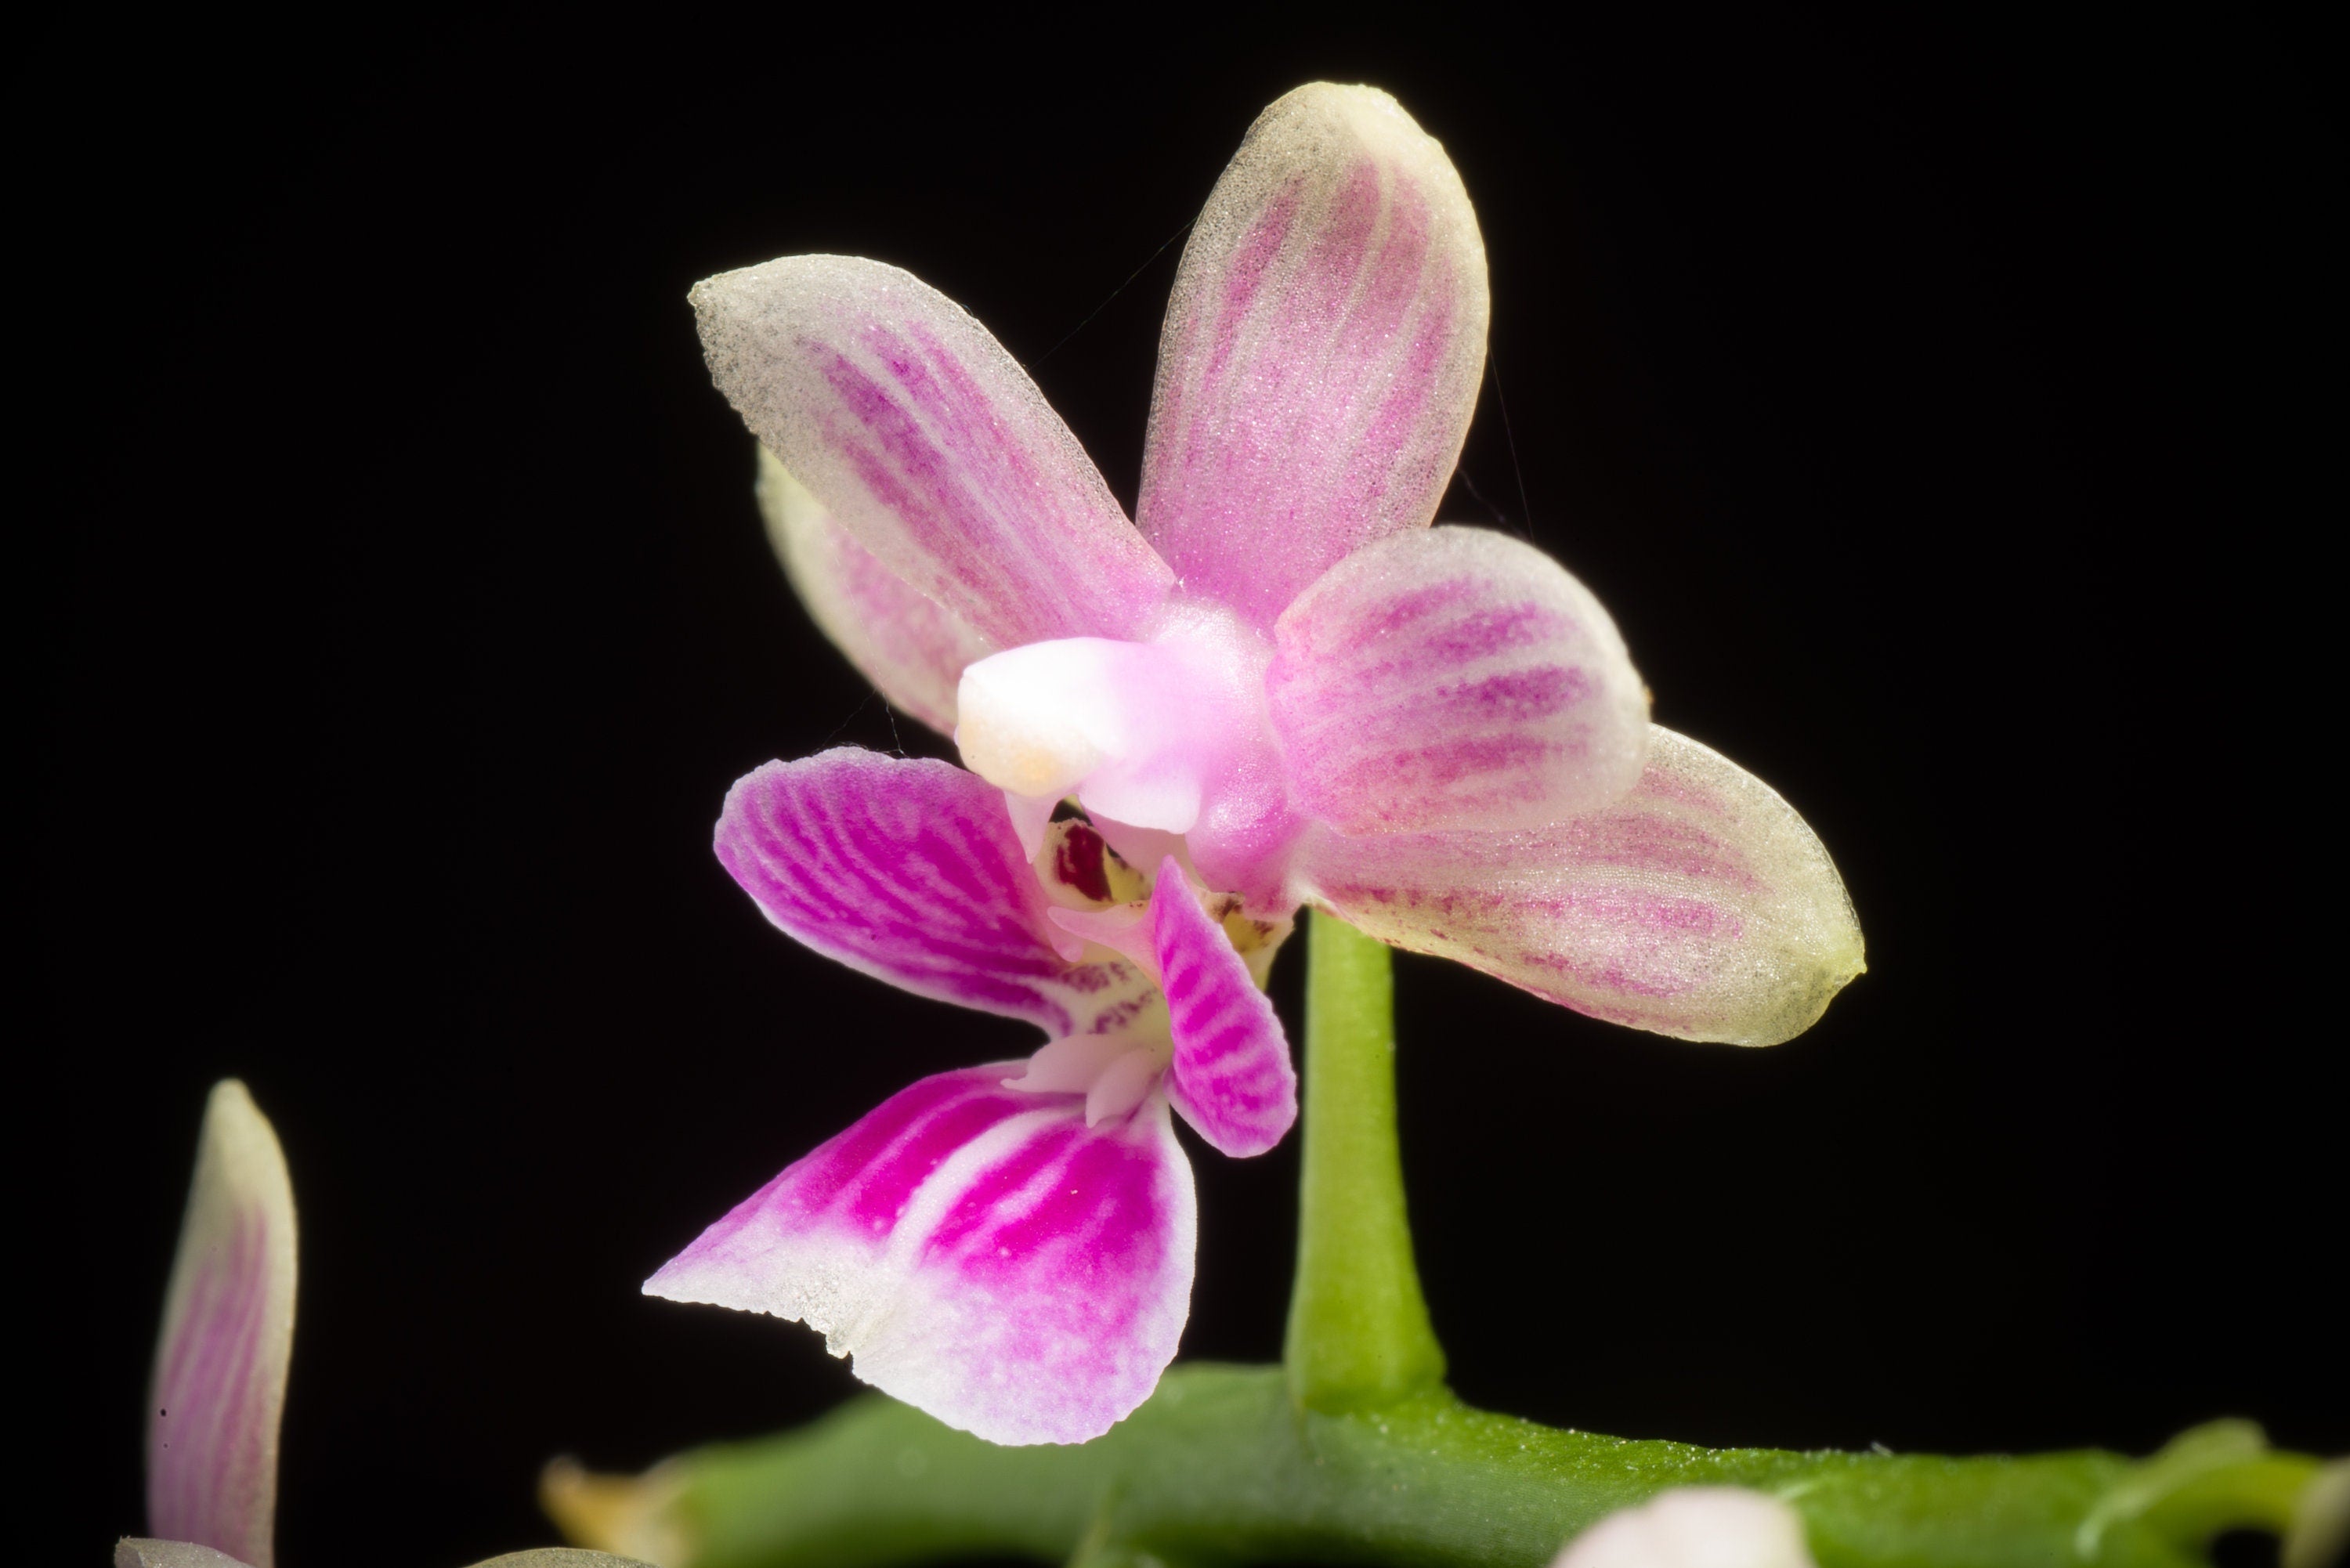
1283	688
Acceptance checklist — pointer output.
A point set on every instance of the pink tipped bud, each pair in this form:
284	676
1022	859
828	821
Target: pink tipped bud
228	1334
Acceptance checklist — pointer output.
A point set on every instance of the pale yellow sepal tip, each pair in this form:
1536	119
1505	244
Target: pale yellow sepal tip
633	1516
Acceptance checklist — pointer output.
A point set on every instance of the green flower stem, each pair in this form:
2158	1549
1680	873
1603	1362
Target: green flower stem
1358	1331
1221	1466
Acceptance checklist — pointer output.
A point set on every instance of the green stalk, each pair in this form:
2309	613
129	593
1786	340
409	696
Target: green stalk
1221	1467
1358	1331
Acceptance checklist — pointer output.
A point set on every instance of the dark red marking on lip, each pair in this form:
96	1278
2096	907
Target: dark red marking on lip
1079	864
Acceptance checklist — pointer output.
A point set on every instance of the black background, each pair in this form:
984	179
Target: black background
1948	412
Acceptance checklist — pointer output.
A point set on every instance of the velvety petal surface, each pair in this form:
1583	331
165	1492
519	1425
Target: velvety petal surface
219	1385
1701	905
978	1250
1322	351
912	649
906	870
1456	678
929	445
1231	1076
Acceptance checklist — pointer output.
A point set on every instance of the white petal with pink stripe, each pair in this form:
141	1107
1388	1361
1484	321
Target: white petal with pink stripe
907	870
1322	351
1700	904
1455	677
1229	1072
911	648
979	1251
928	444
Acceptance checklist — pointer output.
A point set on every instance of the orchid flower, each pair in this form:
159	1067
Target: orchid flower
1284	688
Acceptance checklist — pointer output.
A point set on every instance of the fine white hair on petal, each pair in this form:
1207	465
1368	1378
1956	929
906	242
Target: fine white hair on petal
1694	1527
1322	352
221	1361
1700	904
929	445
913	648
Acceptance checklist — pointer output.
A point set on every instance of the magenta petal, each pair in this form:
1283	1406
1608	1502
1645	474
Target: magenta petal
906	870
1322	351
228	1336
909	647
928	444
1231	1076
1701	905
980	1252
1456	678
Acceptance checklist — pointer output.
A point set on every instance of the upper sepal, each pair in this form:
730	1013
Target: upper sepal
1322	350
219	1387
